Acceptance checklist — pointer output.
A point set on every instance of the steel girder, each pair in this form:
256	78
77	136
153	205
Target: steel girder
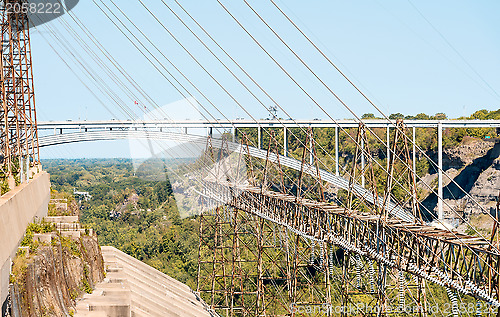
450	259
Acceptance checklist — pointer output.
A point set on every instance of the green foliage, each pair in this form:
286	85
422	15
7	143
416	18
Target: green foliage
154	232
85	280
43	227
4	186
71	245
422	116
86	286
439	116
395	116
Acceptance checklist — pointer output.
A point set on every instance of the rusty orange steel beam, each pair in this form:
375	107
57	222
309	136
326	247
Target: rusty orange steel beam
465	263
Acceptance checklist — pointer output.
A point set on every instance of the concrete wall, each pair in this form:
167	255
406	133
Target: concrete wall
18	208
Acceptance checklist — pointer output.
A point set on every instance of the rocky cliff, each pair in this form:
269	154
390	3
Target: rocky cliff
474	167
63	265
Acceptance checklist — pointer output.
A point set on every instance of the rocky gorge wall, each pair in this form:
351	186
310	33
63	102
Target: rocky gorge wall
48	282
474	167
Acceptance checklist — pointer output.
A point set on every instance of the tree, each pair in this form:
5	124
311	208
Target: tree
422	116
368	116
440	116
480	114
396	116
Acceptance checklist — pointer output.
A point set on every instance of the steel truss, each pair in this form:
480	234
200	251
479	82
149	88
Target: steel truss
250	266
18	133
327	256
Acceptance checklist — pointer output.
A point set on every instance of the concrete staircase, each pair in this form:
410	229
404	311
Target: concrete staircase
132	288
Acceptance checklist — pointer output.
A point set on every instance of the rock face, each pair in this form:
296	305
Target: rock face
487	186
466	153
481	178
478	173
56	275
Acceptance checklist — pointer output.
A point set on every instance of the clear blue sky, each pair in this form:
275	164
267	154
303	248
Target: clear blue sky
409	57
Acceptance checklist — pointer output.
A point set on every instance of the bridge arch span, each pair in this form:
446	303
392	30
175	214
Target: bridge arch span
107	135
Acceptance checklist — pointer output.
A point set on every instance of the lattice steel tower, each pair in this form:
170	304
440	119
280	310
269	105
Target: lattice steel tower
19	137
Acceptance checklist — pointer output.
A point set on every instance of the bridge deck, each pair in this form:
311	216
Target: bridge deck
377	123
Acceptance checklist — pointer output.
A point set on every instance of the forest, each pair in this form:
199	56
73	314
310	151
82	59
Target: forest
148	227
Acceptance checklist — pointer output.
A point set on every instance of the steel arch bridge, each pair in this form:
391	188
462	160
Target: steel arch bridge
107	135
465	264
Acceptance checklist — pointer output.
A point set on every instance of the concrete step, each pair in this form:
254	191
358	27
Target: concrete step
43	237
166	305
62	219
146	271
164	299
71	234
156	281
152	292
138	312
91	314
67	225
112	296
129	259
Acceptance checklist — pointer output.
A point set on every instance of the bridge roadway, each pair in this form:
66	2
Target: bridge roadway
224	124
461	262
200	142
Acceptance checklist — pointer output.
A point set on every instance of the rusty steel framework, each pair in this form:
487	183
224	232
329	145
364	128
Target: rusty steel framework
18	133
267	249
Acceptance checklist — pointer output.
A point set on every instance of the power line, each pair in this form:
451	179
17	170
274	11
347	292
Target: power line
454	49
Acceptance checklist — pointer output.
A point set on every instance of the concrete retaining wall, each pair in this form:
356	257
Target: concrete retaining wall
18	208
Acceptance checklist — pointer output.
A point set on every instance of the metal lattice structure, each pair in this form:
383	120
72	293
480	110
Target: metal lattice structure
18	134
266	251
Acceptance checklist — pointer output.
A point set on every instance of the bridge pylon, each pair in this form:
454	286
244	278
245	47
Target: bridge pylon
401	177
18	132
363	173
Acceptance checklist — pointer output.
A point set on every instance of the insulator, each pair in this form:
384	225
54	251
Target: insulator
311	259
402	303
372	277
287	241
224	214
321	255
274	235
454	301
478	309
330	262
358	271
280	237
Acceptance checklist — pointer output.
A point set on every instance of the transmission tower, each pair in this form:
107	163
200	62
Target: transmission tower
18	133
